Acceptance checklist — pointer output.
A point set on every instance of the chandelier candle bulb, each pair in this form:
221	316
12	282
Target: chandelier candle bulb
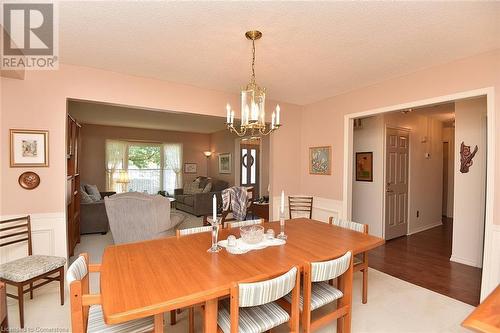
231	121
273	119
228	113
277	114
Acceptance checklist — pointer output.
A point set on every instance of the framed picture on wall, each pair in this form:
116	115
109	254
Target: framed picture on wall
364	167
320	160
190	168
29	148
225	163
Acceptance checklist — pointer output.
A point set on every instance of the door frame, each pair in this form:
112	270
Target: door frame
404	129
489	280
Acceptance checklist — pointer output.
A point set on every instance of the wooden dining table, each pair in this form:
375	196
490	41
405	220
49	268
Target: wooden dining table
152	277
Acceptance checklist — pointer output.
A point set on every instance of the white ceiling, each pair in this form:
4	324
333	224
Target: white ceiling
441	112
114	115
310	50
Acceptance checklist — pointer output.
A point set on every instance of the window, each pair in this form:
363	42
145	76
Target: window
143	167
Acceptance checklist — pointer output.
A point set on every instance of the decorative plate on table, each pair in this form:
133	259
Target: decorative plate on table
29	180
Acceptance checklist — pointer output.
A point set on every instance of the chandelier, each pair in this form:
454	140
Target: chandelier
253	100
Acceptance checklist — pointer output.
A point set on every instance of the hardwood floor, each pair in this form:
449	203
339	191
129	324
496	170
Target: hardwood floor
424	259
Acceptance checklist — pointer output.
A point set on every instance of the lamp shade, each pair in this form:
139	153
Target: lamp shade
207	153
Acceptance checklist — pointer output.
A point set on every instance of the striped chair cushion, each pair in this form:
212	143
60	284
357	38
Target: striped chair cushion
258	293
77	270
322	293
349	225
255	319
96	323
244	223
327	270
190	231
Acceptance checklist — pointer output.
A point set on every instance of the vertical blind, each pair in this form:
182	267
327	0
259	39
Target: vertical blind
143	167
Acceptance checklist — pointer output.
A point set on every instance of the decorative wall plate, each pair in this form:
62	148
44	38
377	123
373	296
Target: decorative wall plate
29	180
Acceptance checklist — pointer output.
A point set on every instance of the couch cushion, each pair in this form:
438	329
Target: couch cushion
207	188
93	192
189	200
29	267
85	197
192	188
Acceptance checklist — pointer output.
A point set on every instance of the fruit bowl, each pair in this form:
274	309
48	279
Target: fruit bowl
252	234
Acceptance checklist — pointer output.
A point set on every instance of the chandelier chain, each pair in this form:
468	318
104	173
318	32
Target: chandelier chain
253	61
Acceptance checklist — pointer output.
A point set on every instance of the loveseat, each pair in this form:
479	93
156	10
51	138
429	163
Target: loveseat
93	217
196	197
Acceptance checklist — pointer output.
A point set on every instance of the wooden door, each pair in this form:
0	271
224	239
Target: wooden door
396	176
249	164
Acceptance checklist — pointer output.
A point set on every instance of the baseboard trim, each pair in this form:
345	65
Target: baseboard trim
426	227
464	261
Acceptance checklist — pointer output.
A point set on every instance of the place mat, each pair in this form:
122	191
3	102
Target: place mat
242	247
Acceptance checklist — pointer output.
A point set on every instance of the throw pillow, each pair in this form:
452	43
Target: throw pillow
93	192
85	197
207	188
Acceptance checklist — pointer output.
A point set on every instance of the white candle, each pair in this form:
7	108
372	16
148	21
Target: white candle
232	117
277	114
214	208
228	113
282	203
273	119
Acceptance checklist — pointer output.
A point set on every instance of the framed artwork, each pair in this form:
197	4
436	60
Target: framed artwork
225	163
190	168
364	167
29	148
320	160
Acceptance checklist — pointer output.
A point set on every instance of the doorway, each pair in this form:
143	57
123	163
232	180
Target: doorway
424	146
249	164
396	192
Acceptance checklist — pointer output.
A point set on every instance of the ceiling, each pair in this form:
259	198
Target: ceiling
441	112
309	51
114	115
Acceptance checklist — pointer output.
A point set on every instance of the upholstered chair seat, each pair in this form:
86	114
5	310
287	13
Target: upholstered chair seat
96	323
253	319
322	294
29	267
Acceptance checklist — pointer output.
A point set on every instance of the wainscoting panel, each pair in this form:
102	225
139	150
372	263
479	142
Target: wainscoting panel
323	208
491	268
48	232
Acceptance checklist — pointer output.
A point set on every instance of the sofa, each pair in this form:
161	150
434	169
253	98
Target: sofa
196	197
93	217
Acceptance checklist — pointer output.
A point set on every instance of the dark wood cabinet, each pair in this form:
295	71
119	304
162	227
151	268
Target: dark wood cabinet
73	183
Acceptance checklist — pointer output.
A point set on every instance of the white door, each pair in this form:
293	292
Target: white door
396	176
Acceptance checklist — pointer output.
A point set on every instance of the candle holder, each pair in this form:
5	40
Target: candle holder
282	235
215	235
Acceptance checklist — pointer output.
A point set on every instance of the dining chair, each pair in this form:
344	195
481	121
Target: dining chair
86	310
361	260
318	292
28	271
300	206
227	216
252	307
238	224
179	233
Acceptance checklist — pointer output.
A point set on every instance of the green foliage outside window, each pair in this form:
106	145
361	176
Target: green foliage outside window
144	157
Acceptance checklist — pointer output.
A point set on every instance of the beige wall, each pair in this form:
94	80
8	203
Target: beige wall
469	201
323	122
92	158
222	142
41	98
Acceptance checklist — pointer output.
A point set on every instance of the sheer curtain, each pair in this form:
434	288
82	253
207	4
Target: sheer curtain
172	178
116	159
